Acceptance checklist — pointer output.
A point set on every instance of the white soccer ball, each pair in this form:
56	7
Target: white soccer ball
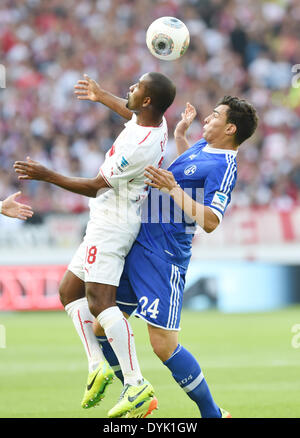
167	38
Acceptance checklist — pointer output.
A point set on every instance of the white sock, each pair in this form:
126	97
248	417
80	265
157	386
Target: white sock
82	319
120	336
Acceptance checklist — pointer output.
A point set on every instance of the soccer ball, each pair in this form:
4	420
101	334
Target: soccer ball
167	38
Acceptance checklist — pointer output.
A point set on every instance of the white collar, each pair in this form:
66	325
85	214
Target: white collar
211	150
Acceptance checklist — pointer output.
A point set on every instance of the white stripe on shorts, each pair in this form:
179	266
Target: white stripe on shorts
174	299
170	306
178	298
127	304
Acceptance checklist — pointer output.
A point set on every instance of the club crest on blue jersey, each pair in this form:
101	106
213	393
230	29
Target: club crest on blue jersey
220	200
190	170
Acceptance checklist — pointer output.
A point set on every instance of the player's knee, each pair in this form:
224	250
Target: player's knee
94	305
163	342
158	350
66	294
162	348
71	288
62	294
98	300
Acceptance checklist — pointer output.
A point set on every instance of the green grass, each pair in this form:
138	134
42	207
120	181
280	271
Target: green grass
248	361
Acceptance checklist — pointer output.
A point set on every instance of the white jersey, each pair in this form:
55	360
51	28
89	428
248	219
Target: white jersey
115	216
123	170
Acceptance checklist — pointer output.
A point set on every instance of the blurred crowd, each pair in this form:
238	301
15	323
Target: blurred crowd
238	47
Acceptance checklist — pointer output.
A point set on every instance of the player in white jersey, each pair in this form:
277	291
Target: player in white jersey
11	208
89	286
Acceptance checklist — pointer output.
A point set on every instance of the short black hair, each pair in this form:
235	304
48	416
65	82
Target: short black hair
161	90
243	115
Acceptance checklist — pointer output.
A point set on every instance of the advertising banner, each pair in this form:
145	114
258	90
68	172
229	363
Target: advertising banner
30	287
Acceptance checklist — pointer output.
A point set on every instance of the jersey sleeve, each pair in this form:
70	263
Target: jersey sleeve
218	187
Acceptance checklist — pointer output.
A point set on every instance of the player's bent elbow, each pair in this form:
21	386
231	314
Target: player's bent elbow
211	220
210	228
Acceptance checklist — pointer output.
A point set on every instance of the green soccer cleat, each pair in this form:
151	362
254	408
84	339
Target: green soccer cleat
225	414
131	396
96	385
143	409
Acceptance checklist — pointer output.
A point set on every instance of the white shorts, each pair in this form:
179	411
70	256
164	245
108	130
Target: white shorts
101	256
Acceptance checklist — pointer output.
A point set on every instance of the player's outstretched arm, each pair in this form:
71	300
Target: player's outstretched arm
182	126
11	208
88	89
32	170
164	180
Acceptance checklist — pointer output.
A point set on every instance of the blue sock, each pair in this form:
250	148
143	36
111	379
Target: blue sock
187	373
110	356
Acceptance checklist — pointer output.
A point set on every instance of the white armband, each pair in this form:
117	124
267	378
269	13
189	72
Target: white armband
217	213
1	202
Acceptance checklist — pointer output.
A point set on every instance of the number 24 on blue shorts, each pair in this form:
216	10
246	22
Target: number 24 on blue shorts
153	286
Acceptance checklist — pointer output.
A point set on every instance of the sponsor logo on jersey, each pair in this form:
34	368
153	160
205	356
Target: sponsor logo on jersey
191	157
190	170
124	163
219	200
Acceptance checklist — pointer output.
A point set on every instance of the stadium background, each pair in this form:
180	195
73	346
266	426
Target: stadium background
243	284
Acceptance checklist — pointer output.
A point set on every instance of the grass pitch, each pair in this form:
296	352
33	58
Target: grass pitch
248	361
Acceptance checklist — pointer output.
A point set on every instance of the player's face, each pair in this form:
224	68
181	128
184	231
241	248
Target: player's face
136	95
215	125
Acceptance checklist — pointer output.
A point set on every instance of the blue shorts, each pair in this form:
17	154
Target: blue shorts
152	287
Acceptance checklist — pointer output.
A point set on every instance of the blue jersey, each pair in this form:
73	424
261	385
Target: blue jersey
208	175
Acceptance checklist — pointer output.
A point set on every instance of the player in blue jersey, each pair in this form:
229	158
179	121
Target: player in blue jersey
198	186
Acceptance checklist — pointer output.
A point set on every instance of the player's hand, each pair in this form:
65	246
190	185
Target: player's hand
187	118
160	179
31	170
87	89
12	208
